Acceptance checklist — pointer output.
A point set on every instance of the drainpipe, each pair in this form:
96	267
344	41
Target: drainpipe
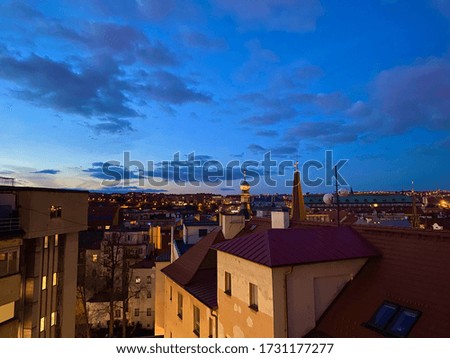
215	314
286	313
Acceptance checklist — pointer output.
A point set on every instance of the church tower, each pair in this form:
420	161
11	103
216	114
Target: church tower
298	211
246	210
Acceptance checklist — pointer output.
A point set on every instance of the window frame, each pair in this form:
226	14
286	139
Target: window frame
387	328
196	320
253	296
180	306
228	286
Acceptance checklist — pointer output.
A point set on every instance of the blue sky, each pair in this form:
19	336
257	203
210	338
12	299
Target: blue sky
229	80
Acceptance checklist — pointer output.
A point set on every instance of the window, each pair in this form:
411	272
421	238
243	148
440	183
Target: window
137	295
55	211
9	263
94	258
42	324
138	279
180	305
55	279
44	283
228	283
196	321
53	319
149	294
149	280
253	294
117	313
45	242
56	240
149	312
393	320
202	232
136	312
94	273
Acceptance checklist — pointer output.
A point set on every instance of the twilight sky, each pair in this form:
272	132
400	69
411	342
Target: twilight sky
228	80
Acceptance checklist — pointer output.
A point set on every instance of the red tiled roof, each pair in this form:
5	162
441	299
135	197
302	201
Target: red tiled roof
413	271
302	245
203	286
199	256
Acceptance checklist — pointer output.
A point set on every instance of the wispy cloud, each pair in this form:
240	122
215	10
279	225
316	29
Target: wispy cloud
47	171
282	15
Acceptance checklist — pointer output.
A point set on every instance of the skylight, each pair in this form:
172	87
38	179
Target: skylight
393	320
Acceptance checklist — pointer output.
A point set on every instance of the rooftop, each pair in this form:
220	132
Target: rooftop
297	246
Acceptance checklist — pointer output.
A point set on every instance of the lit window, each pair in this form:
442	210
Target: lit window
45	242
42	325
253	293
44	283
136	312
393	320
228	283
149	311
53	319
138	279
55	278
180	305
55	211
56	240
3	263
94	258
196	321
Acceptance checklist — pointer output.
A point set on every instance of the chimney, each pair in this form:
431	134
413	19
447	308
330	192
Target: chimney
231	225
280	219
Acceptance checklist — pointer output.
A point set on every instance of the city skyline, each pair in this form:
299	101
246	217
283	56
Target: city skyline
228	81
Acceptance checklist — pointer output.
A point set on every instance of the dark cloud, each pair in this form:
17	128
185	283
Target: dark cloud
443	6
167	87
154	10
47	171
278	151
285	15
325	132
89	91
112	126
413	96
126	189
267	133
272	117
199	40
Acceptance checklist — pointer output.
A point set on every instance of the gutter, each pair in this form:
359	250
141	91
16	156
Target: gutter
286	313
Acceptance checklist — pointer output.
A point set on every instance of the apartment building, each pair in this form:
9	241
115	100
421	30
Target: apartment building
38	260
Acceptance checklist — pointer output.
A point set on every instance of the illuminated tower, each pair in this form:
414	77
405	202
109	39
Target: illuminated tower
298	212
245	199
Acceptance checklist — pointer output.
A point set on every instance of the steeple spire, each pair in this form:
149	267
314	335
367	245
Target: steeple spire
298	211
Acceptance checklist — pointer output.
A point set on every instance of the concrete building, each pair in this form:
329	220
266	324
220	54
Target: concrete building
38	260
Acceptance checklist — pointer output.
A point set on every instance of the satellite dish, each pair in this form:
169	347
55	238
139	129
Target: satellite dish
328	199
343	192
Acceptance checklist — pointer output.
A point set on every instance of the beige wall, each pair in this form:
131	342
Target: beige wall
174	327
236	319
34	211
311	289
159	298
69	292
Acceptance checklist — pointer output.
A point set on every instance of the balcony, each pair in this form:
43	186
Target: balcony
9	225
